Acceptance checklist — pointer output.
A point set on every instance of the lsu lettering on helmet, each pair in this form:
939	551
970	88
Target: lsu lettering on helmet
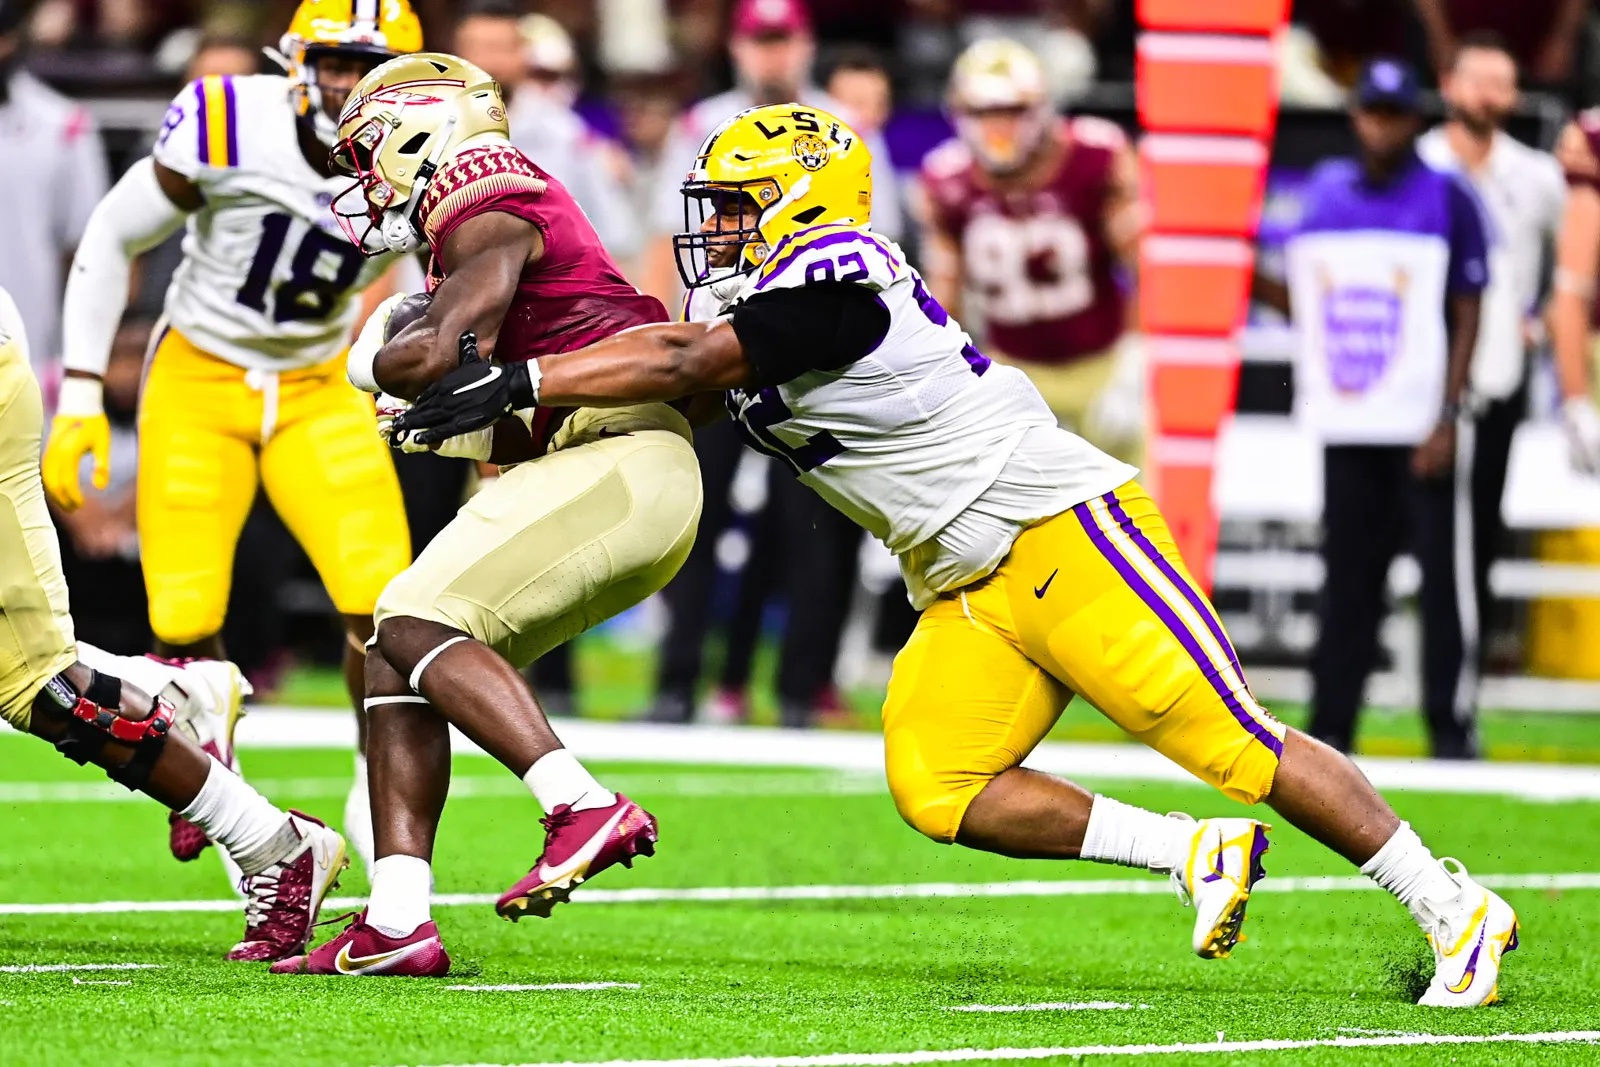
1000	104
371	30
402	122
786	165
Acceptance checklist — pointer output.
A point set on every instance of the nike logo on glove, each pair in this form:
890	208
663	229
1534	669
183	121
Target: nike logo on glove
494	372
1045	588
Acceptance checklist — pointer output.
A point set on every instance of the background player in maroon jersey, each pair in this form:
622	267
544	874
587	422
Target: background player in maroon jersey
598	513
1031	214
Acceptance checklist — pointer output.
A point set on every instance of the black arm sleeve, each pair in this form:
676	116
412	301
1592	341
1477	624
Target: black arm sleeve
822	326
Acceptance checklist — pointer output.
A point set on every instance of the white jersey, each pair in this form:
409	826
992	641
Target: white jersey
942	455
268	280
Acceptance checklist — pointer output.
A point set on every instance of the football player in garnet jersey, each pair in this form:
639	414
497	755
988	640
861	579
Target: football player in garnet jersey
597	514
1031	215
244	386
1041	568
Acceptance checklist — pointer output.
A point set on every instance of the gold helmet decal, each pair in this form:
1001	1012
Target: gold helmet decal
790	166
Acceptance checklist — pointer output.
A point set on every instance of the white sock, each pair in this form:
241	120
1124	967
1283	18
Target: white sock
241	820
400	889
558	778
1133	837
1406	868
358	816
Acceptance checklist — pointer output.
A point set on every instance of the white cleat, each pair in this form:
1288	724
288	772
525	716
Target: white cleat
1469	934
1223	865
213	692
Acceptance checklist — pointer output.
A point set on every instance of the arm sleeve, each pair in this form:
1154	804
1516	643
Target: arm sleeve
134	217
1469	261
823	326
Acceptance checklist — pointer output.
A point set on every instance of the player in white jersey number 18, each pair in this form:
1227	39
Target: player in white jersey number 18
833	357
244	384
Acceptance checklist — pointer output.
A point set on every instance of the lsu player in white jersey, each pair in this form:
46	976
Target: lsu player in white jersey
131	716
245	383
1041	567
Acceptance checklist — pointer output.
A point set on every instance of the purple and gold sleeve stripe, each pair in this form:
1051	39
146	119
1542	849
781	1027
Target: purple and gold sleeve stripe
799	243
219	122
1182	609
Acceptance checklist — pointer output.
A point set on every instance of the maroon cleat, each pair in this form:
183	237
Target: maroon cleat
577	846
282	902
365	950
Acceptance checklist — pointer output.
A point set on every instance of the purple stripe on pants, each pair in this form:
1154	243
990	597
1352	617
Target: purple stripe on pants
1153	601
1190	593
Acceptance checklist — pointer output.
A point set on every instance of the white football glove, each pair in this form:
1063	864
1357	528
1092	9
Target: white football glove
1581	420
362	354
1117	415
475	445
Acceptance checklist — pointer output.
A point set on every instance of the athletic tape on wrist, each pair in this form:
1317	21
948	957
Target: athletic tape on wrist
422	664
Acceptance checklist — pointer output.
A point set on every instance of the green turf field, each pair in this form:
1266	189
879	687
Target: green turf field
707	978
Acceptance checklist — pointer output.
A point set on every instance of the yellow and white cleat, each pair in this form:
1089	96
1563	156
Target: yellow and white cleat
1223	865
1469	933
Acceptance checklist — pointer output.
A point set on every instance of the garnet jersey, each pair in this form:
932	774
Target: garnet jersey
1579	154
932	448
1036	255
268	280
574	295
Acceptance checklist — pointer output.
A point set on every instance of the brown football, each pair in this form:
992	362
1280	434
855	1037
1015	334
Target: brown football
405	313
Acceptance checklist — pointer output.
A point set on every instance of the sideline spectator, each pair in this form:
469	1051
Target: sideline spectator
533	59
52	174
772	48
1386	272
1541	35
1524	194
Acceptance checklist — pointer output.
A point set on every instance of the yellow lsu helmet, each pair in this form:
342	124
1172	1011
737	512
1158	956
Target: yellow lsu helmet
797	166
401	123
371	30
999	103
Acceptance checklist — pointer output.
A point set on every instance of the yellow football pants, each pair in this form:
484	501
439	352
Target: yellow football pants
36	638
209	433
1094	601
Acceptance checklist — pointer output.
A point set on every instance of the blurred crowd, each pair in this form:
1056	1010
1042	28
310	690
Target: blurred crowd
611	96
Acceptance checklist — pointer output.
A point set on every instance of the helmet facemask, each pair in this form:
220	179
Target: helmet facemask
374	214
1005	139
708	253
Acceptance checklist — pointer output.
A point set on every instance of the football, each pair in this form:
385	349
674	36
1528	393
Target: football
405	313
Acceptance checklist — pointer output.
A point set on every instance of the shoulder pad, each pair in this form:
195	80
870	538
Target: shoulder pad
949	160
476	176
1102	133
201	128
832	254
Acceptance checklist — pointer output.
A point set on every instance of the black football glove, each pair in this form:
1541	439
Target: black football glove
477	393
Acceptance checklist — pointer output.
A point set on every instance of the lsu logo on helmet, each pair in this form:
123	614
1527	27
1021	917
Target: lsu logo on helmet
811	151
369	30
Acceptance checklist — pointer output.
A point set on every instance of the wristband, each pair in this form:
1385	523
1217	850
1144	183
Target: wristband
80	397
523	381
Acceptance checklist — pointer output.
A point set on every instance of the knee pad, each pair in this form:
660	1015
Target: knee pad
89	721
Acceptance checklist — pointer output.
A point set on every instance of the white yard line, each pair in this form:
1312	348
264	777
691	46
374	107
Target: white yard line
971	1055
1068	1005
762	894
96	981
42	968
754	746
575	987
819	782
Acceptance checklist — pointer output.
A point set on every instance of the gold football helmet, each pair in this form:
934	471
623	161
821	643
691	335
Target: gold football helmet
402	122
794	166
999	103
372	30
